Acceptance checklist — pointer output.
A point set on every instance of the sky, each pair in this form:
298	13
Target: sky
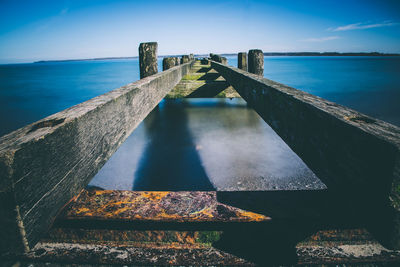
67	29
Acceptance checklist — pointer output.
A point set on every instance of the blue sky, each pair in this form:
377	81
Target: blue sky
62	29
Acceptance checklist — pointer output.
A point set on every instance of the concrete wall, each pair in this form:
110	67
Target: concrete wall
45	164
353	154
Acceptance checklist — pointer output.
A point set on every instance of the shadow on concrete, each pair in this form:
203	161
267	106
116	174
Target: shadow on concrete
296	215
170	161
209	89
210	76
204	69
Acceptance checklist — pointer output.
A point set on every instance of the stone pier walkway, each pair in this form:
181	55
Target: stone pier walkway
203	82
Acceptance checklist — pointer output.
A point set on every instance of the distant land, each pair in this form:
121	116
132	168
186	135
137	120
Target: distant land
311	54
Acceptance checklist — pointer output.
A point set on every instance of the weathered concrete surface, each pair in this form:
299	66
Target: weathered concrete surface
185	59
352	153
155	206
168	62
202	81
344	246
46	163
133	255
216	58
125	235
256	62
242	61
177	61
148	59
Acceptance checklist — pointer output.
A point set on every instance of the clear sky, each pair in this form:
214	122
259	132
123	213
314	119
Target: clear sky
67	29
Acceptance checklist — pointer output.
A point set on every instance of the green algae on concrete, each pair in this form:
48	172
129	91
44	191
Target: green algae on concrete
202	82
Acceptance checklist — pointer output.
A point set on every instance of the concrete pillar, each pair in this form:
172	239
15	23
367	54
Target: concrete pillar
256	62
224	61
216	58
148	59
177	61
168	62
242	61
185	59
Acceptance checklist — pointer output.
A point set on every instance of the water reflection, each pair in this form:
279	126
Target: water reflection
205	144
170	160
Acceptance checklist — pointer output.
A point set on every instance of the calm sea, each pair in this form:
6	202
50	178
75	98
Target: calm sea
29	92
370	85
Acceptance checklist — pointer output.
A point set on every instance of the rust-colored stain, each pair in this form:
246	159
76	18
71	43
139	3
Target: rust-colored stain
340	235
165	206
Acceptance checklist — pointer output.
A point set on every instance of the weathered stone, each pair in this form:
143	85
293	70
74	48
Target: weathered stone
219	59
216	58
111	254
242	61
224	61
168	62
355	155
185	59
155	206
45	164
191	57
256	62
177	61
148	59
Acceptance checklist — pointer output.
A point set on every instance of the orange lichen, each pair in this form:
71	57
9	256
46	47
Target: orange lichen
157	206
253	216
156	195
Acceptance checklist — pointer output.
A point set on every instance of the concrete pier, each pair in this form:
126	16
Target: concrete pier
242	61
256	62
148	59
45	166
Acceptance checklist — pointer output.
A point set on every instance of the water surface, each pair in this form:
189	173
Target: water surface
205	144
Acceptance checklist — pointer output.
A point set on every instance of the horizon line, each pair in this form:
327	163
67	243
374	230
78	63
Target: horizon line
305	53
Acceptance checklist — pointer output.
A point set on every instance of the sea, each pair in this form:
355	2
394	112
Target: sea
210	144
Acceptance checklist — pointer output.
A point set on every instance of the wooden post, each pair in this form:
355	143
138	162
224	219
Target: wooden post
148	59
242	61
256	62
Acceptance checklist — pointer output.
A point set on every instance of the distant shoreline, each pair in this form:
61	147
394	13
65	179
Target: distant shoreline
311	54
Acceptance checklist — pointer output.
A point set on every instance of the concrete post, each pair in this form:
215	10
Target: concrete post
242	61
168	62
224	61
177	61
256	62
185	59
148	59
